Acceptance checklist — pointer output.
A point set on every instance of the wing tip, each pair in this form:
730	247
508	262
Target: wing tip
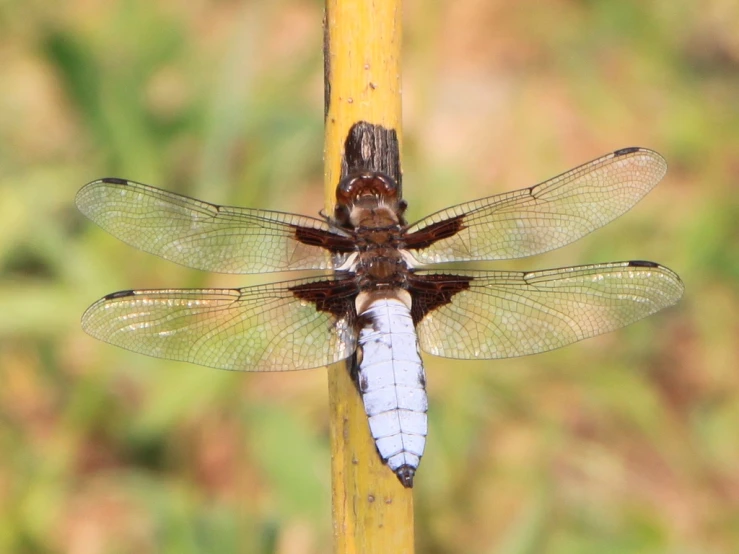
80	199
93	308
107	181
649	265
666	272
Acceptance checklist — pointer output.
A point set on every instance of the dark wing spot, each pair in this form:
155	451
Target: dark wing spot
624	151
119	294
114	180
642	263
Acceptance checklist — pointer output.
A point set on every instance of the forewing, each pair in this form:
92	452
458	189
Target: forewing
205	236
541	218
502	314
298	324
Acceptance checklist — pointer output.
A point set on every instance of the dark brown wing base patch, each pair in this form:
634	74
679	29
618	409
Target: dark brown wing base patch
433	291
333	296
329	241
435	232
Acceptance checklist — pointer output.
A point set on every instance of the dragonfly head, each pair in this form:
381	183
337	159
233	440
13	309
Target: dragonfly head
368	192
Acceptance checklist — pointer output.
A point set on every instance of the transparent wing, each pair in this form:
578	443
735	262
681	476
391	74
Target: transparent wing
502	314
541	218
210	237
297	324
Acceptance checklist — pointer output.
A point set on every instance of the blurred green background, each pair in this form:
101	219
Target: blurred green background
626	443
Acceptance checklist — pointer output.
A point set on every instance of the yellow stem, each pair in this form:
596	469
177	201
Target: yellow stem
372	511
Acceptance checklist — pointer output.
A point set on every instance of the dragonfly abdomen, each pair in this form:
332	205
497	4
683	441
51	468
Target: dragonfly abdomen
392	383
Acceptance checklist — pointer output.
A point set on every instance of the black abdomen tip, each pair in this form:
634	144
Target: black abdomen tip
405	474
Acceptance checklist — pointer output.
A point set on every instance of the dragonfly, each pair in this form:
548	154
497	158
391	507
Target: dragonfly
378	300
